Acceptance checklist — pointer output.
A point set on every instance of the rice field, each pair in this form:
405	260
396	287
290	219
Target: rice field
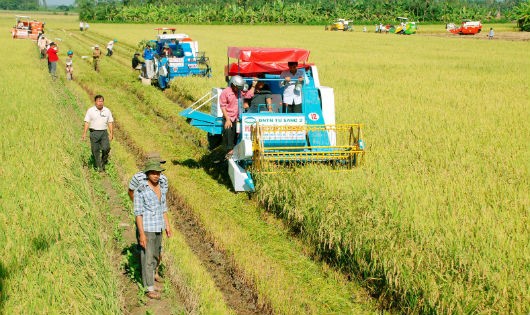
435	221
55	251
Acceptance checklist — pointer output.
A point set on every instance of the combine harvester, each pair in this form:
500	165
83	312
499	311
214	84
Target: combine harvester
26	28
270	138
468	27
184	58
340	25
405	27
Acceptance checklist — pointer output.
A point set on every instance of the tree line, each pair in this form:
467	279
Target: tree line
316	12
28	5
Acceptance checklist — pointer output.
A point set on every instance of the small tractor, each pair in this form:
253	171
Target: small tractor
271	137
340	25
468	27
26	28
176	55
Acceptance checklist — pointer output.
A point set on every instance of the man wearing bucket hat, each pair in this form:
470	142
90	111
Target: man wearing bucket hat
139	179
150	210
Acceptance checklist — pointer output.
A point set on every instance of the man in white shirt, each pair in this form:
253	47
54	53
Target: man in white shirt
293	79
99	121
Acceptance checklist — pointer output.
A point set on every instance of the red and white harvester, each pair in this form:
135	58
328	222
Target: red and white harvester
467	28
25	28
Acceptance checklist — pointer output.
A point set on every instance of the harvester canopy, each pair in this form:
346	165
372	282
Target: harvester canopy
253	60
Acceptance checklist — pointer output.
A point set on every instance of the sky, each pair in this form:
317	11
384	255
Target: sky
59	2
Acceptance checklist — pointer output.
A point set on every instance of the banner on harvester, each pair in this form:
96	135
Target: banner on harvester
277	132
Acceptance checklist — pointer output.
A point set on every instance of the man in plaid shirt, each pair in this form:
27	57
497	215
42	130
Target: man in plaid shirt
150	210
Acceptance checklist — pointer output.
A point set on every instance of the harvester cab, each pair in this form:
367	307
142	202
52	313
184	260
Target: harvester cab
177	55
26	28
468	27
270	137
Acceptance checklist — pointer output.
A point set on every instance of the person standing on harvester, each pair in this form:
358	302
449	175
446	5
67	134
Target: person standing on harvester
293	79
99	121
229	103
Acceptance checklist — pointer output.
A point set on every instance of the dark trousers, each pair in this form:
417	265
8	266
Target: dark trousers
291	108
229	136
100	145
149	257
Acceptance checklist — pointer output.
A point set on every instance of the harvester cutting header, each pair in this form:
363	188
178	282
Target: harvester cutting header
277	132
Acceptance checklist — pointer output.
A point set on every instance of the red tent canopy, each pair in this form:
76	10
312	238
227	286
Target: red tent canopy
254	60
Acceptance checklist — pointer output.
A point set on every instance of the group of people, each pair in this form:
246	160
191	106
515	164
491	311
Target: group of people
49	50
83	26
147	189
256	96
96	53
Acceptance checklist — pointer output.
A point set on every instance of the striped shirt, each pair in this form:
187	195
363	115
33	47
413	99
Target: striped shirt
140	179
147	205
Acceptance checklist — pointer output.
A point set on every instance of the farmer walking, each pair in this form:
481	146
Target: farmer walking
150	210
139	179
96	54
99	121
